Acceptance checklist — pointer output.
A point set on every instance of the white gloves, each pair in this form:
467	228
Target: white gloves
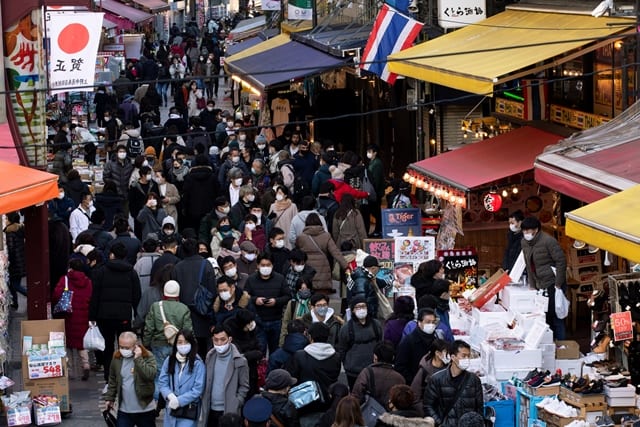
172	401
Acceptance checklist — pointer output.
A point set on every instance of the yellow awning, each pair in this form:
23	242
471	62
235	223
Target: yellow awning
276	41
612	224
479	56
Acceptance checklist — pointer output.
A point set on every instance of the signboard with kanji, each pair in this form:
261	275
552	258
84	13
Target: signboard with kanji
622	326
415	250
460	265
382	249
458	13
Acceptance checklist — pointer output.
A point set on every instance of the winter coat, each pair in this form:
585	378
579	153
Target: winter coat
318	245
376	175
514	246
75	324
332	320
292	343
321	176
363	285
421	284
132	244
282	409
151	295
170	192
393	330
348	228
217	237
280	258
544	252
119	171
187	272
342	188
143	268
116	291
440	392
318	362
384	377
151	220
284	211
245	266
406	418
293	305
241	300
165	259
356	343
305	166
298	224
175	312
15	248
186	386
199	191
59	250
411	350
258	237
61	208
111	204
273	287
424	374
74	189
236	384
329	206
101	237
138	194
144	374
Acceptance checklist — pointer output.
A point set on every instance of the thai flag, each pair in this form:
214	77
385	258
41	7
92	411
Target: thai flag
392	32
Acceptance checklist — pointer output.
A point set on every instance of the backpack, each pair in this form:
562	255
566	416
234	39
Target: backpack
135	147
300	189
323	209
352	332
203	297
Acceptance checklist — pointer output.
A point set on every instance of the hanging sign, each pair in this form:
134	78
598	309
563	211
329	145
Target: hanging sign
460	266
415	249
401	222
492	202
300	9
74	39
272	5
459	13
382	249
622	326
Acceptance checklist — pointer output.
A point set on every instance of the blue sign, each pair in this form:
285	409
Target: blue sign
401	222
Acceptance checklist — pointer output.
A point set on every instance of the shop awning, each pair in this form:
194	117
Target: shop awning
236	48
153	6
132	14
21	187
267	68
8	151
274	42
107	24
503	47
611	224
488	160
594	163
248	28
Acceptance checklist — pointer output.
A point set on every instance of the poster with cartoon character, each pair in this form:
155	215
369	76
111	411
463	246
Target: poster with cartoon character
415	249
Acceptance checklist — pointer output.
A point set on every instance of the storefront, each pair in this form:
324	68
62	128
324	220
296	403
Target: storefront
128	18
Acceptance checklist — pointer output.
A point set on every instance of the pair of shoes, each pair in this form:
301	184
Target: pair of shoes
85	374
545	402
602	345
534	372
561	409
604	421
536	380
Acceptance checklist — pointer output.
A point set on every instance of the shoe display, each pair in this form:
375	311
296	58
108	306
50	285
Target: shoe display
546	401
602	422
603	345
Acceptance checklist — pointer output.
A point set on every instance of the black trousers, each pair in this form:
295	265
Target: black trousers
111	330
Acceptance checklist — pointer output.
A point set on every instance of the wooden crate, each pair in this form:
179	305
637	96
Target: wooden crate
554	420
542	391
584	402
585	273
579	257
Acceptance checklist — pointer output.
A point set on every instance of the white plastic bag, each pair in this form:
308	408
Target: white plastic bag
93	339
562	304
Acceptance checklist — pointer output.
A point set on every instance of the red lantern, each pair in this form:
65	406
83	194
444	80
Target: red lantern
492	202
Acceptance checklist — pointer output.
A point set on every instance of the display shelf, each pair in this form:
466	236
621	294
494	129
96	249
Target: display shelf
553	420
584	402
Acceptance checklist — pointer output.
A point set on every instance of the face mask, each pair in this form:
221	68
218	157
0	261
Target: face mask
251	197
225	295
231	272
222	348
429	328
369	155
254	171
446	359
226	210
250	226
146	163
168	231
528	237
304	294
184	349
464	364
361	313
280	244
209	108
235	159
237	182
514	228
322	311
148	176
250	257
225	228
265	271
279	197
152	203
259	219
261	146
106	118
122	155
251	326
61	195
298	268
242	138
91	204
126	353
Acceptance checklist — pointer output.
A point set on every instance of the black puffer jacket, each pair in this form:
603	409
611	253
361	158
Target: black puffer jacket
119	171
15	246
514	246
544	252
441	391
412	348
273	287
116	291
199	191
282	409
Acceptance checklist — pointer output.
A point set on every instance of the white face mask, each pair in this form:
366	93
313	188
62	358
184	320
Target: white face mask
514	228
122	155
184	349
210	108
235	159
251	326
261	146
250	257
250	226
61	195
237	182
226	210
231	272
298	268
369	155
265	271
242	138
145	163
446	359
152	203
222	348
225	295
528	236
148	176
279	197
361	313
126	353
429	328
279	243
464	364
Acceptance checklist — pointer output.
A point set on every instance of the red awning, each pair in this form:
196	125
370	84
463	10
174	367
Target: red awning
489	160
8	151
21	187
132	14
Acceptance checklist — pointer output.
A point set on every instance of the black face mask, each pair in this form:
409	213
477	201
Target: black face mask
443	304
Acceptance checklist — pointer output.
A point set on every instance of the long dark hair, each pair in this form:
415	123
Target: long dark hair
346	205
191	357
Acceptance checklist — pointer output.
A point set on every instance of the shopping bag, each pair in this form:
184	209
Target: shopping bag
304	394
562	304
93	339
64	307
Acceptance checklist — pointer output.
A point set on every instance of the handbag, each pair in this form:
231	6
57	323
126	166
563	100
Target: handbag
64	307
170	331
189	411
384	306
305	393
201	103
371	409
367	186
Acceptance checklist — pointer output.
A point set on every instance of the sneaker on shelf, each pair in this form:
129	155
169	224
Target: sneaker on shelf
629	419
551	381
609	422
601	421
530	375
546	401
554	407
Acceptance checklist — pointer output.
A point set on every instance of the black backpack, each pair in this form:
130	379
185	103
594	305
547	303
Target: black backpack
300	189
135	147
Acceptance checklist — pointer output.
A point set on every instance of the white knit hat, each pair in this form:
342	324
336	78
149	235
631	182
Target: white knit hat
172	289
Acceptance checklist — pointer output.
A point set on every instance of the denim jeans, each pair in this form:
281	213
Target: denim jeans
271	329
15	286
160	353
139	419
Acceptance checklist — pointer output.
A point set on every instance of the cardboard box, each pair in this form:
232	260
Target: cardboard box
48	415
58	387
567	350
490	289
519	299
569	366
628	391
483	318
20	416
621	402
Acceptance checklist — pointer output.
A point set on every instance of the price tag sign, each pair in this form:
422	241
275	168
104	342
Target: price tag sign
622	326
45	368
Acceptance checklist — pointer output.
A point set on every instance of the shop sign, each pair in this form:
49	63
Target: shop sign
460	265
272	5
300	9
510	108
622	326
46	368
459	13
401	222
382	249
575	118
415	250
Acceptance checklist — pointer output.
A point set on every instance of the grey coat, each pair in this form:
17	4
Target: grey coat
544	252
236	385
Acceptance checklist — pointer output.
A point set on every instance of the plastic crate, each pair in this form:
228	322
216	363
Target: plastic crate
530	412
505	412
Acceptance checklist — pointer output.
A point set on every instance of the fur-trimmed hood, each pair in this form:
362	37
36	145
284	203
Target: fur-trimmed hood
394	420
241	301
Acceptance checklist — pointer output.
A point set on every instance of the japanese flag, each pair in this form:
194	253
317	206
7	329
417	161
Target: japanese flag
73	39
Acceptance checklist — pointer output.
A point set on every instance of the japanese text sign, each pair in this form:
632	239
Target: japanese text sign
382	249
622	326
458	13
460	265
415	249
401	222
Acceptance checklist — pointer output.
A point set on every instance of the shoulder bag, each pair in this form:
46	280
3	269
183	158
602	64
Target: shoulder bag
305	393
203	297
189	412
170	331
371	409
463	384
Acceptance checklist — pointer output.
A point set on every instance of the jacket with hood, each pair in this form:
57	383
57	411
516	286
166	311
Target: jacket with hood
356	343
441	392
199	191
332	320
116	291
298	224
119	171
540	254
138	194
282	409
363	286
143	268
101	236
316	362
292	343
241	300
75	324
144	374
151	220
318	245
407	418
411	350
175	312
74	188
351	227
424	374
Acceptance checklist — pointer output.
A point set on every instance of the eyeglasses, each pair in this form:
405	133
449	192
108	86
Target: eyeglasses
321	305
355	307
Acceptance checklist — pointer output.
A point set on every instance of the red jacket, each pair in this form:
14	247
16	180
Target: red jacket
342	188
77	322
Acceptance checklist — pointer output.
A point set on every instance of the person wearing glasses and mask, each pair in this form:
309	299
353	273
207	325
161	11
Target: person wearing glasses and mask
320	312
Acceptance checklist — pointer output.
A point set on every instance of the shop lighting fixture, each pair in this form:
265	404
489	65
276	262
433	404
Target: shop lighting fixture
245	85
452	195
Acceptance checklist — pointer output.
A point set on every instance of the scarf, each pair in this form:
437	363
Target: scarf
180	358
302	308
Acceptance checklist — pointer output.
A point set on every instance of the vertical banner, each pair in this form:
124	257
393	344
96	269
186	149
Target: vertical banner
25	74
200	13
73	39
300	9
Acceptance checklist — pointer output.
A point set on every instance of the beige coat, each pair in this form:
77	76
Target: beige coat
171	193
285	210
349	228
318	245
